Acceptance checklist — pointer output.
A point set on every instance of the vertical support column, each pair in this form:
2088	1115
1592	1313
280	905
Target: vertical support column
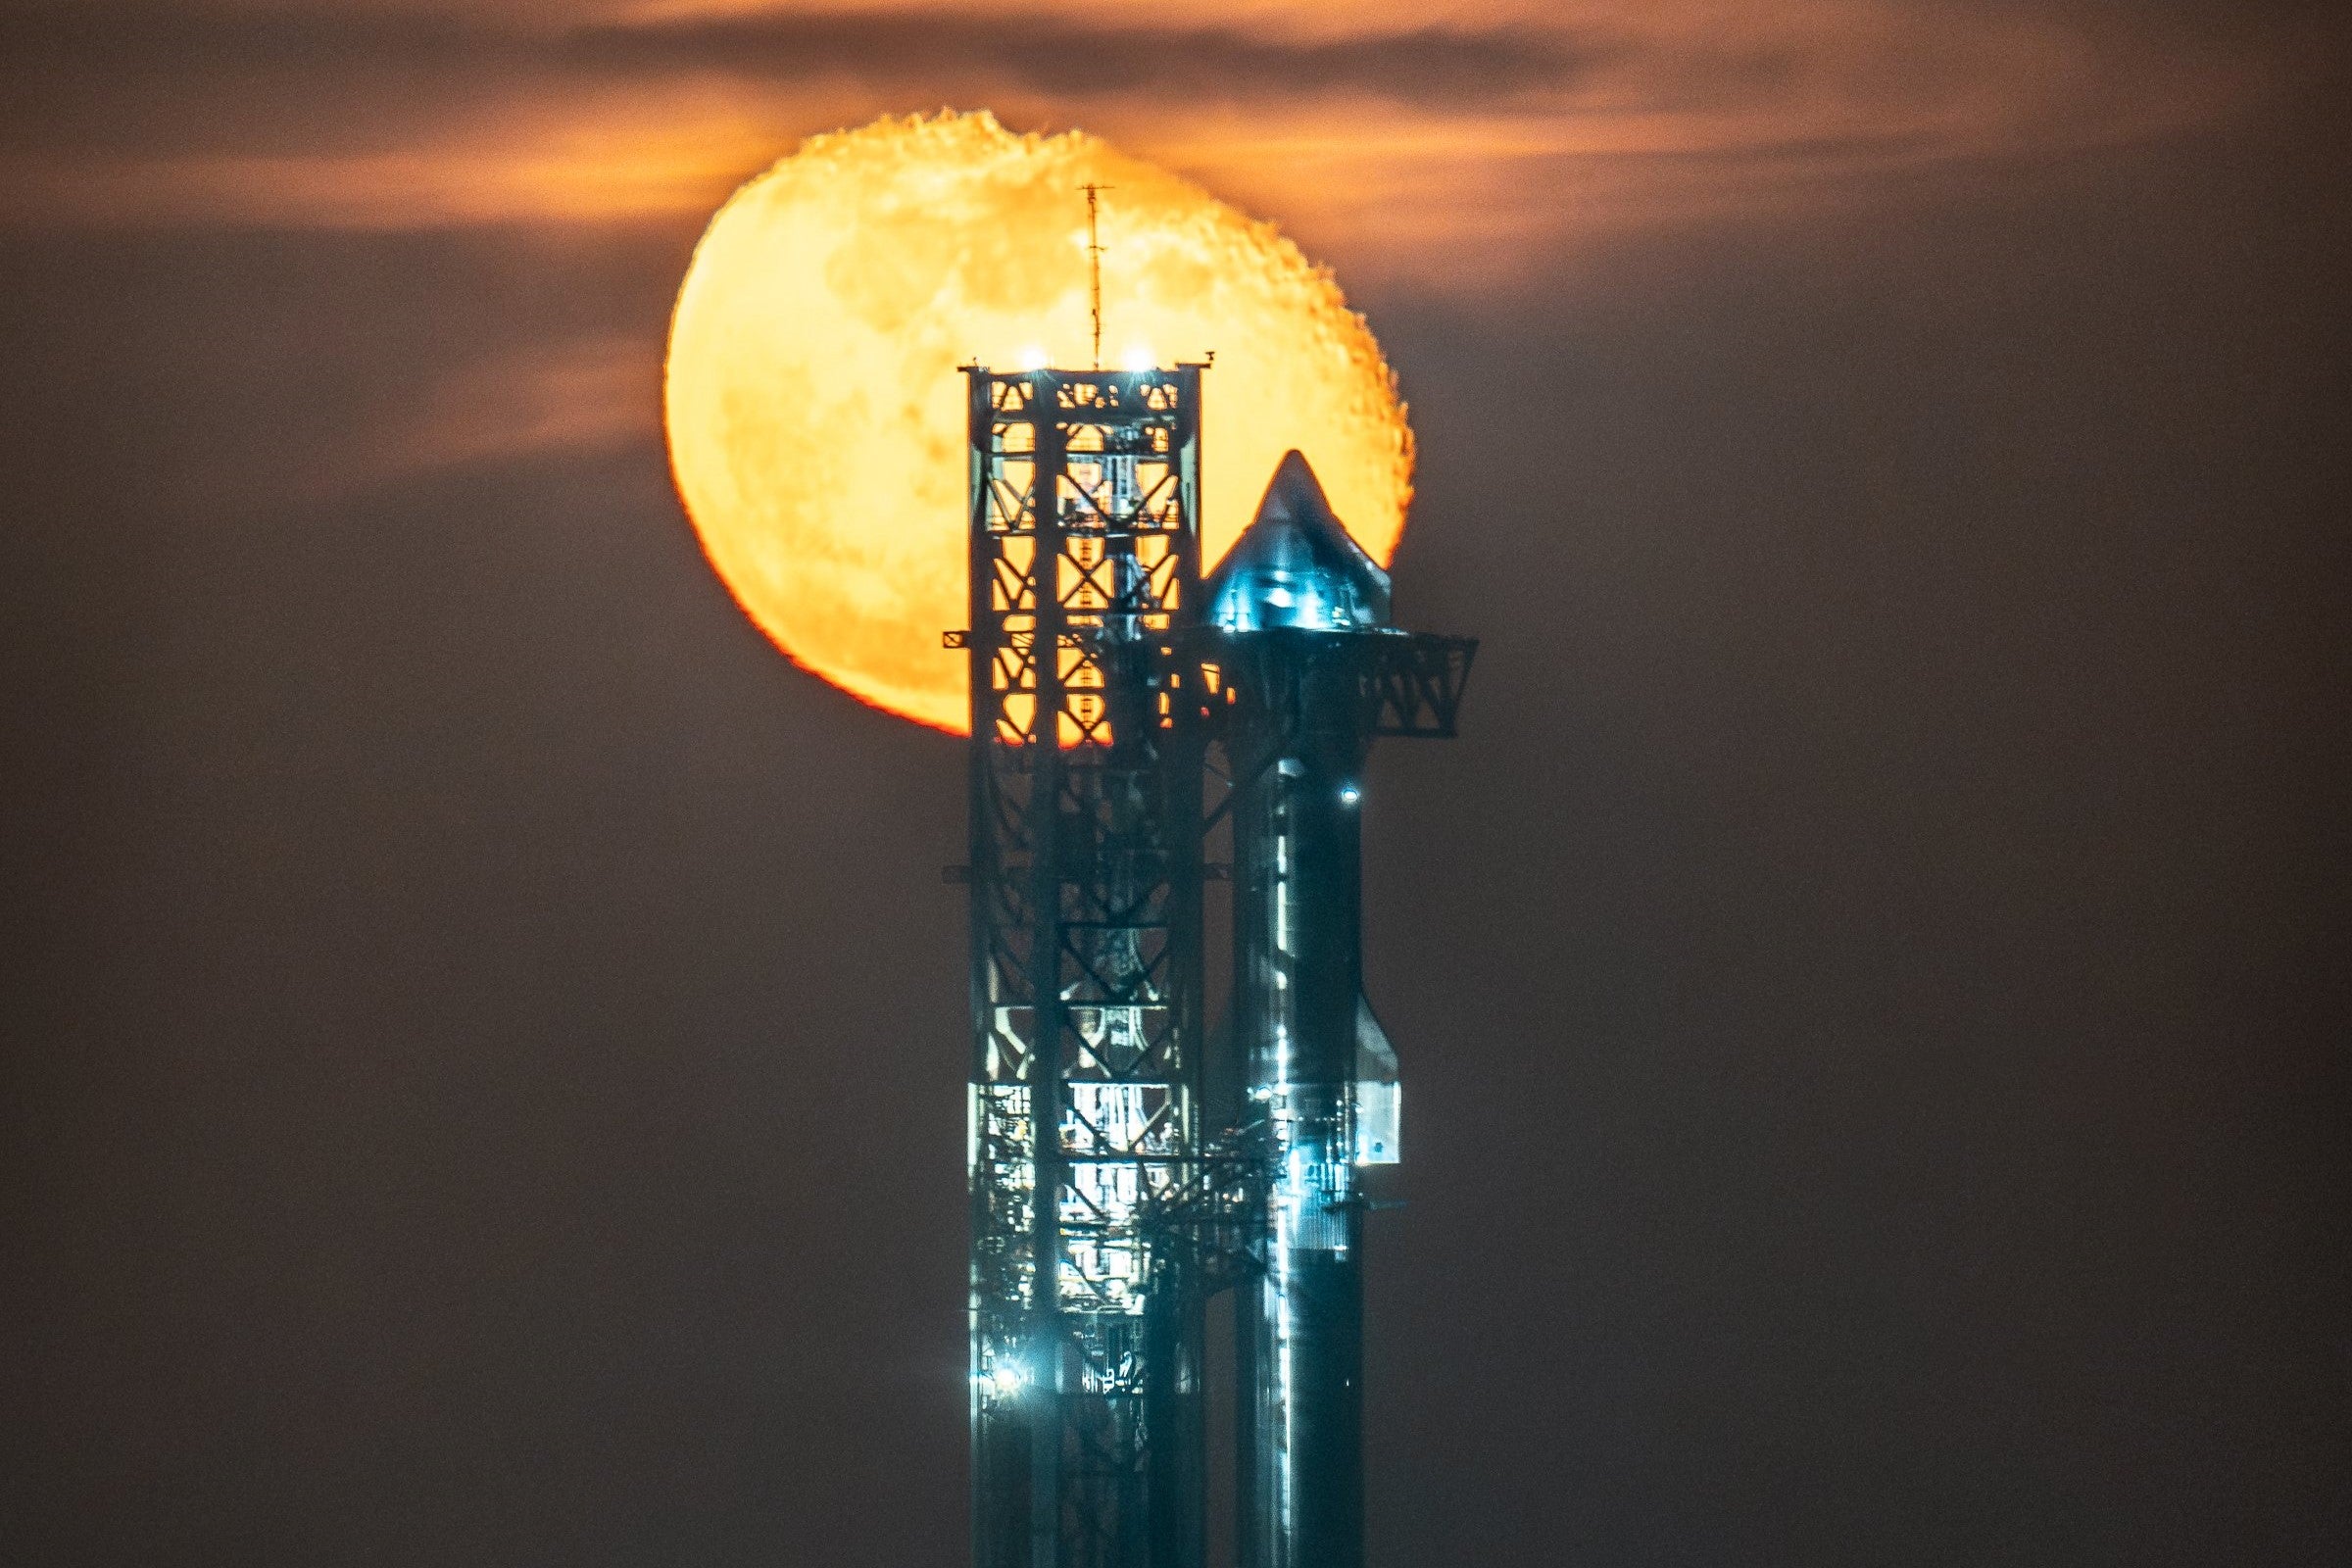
1047	820
1175	1396
1003	831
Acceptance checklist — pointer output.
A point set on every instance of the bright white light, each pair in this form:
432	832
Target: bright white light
1139	357
1350	795
1005	1380
1032	357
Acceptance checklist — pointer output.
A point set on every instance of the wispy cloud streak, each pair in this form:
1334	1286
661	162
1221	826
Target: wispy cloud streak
1457	145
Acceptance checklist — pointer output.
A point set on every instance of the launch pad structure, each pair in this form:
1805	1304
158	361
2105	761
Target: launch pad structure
1134	1160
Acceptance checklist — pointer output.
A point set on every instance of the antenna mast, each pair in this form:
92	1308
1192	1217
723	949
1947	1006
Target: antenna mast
1094	267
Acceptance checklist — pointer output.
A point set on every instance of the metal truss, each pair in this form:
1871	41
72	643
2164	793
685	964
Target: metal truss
1407	685
1412	684
1085	1149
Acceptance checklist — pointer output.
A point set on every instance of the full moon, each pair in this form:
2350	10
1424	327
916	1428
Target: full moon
816	419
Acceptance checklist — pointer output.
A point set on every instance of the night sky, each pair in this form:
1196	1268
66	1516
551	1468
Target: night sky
485	1034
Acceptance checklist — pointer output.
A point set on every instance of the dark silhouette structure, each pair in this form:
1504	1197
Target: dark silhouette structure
1129	722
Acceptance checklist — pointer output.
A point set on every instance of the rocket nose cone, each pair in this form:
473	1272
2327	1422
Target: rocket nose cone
1295	495
1295	566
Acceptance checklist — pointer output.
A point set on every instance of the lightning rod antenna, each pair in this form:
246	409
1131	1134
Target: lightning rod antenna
1094	267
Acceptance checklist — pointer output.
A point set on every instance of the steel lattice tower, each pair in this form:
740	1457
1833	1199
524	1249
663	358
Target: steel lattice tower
1085	967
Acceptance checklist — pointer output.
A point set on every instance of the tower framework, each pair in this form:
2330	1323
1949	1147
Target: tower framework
1122	711
1085	967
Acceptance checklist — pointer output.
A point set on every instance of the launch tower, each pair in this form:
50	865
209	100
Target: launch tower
1126	718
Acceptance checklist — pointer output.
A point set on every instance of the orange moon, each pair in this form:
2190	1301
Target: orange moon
816	419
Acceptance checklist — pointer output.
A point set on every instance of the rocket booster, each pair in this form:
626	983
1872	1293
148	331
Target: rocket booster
1297	600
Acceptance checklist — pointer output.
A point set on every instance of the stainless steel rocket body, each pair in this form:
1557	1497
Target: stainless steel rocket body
1299	980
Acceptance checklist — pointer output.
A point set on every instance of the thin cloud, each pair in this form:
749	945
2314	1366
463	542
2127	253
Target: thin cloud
1457	150
582	394
1429	64
1084	60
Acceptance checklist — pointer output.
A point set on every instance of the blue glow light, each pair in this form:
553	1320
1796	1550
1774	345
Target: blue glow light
1296	567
